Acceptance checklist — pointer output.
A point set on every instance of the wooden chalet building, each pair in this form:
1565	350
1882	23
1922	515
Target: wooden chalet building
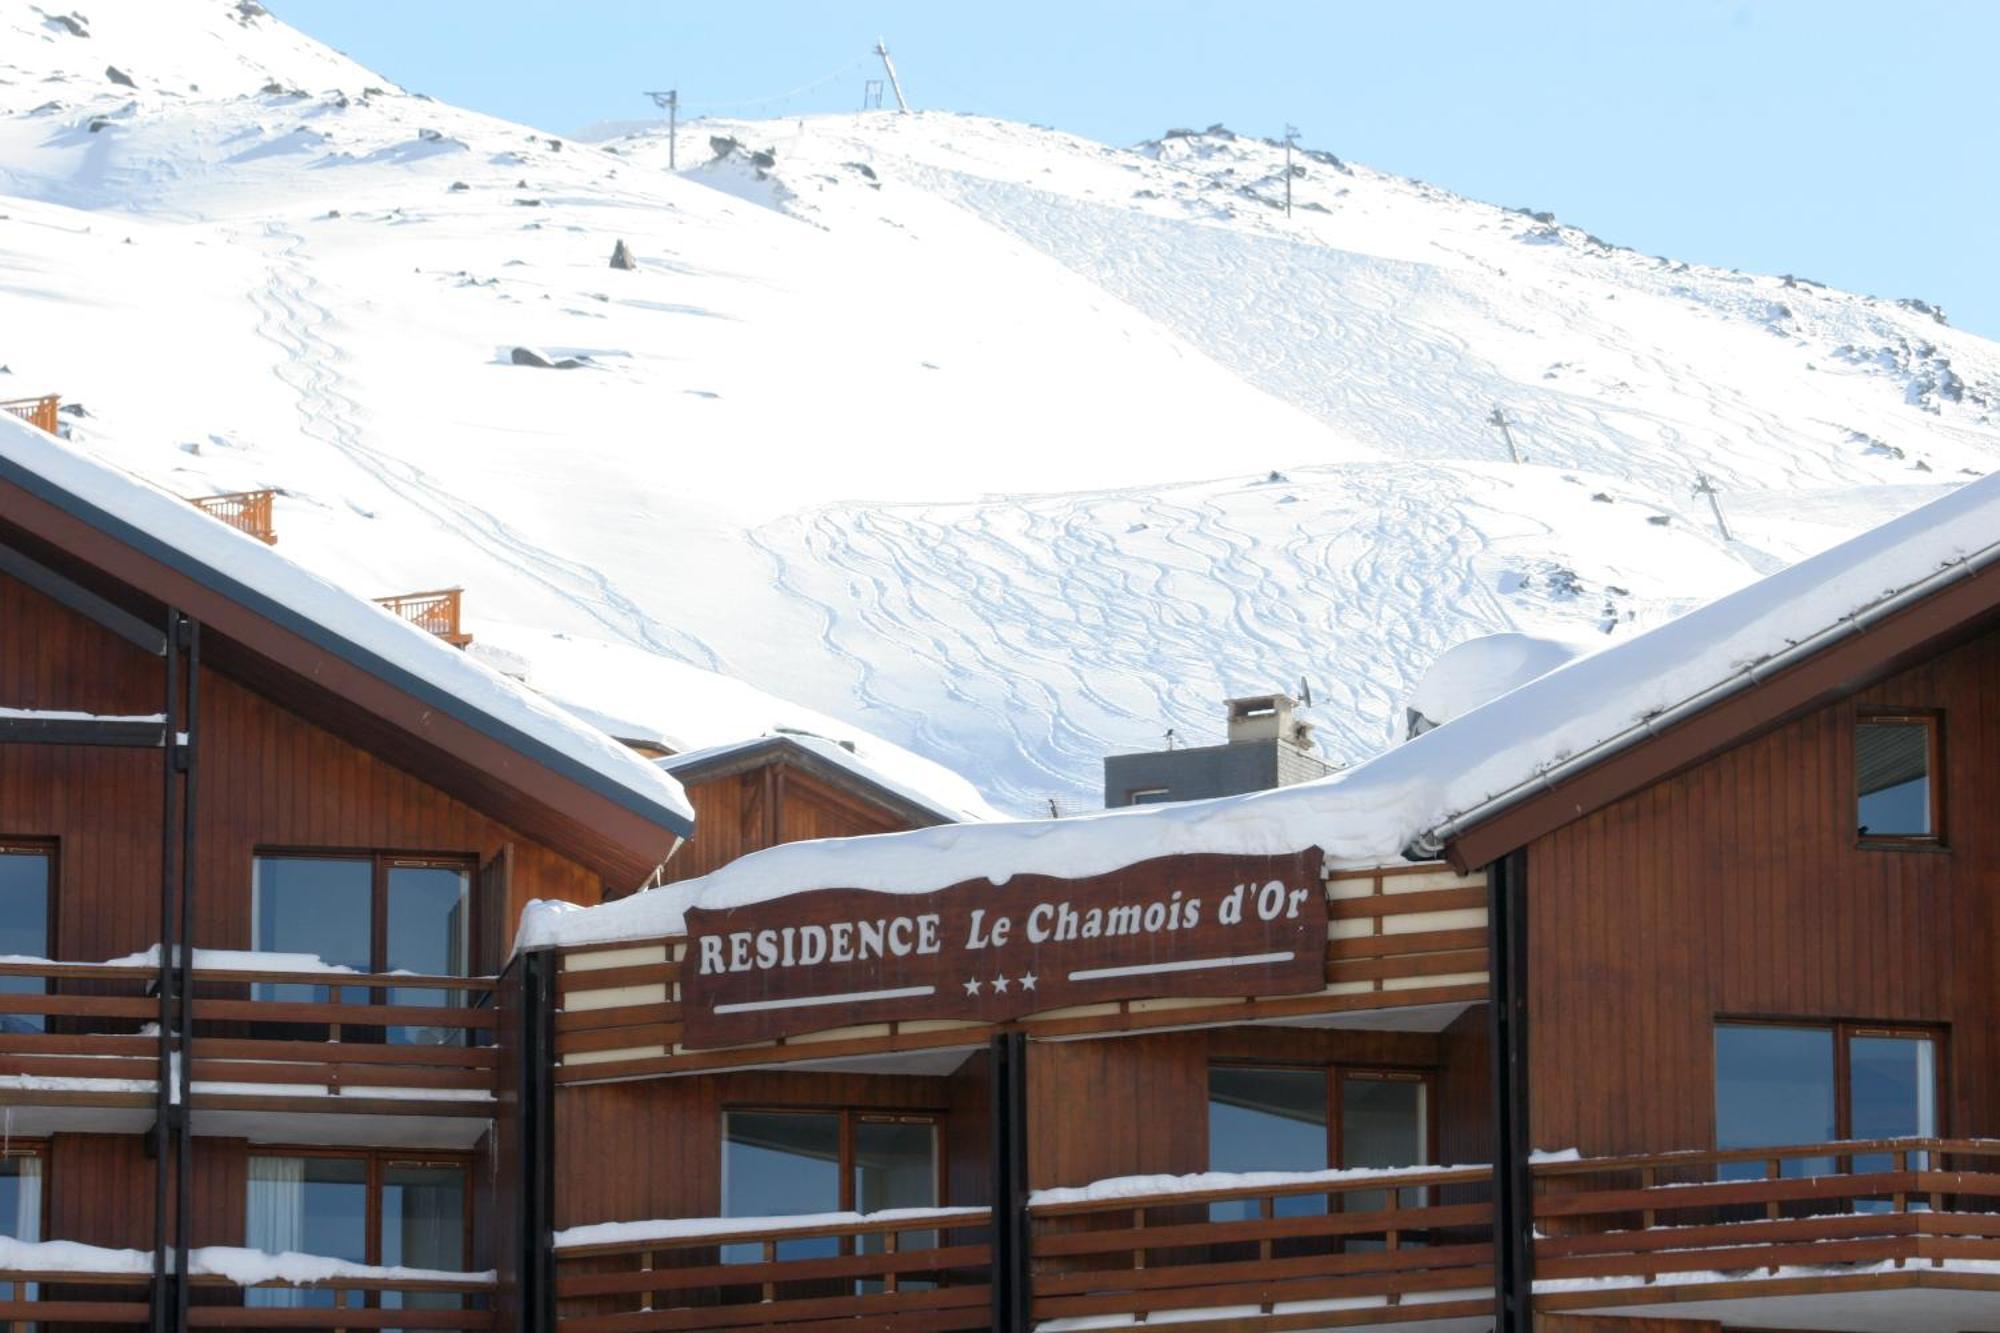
1656	996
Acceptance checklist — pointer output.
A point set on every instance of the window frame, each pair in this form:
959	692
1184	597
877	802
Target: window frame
1333	1073
376	1162
1932	720
380	864
37	1148
1844	1031
50	850
1141	795
849	1115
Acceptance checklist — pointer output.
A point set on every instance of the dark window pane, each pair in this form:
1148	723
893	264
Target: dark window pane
423	1226
427	935
315	906
1892	1085
24	927
1382	1124
306	1205
1266	1120
20	1214
776	1164
1773	1088
1892	775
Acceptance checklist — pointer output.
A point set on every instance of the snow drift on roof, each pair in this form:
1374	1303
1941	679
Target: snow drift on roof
511	712
1480	670
1372	812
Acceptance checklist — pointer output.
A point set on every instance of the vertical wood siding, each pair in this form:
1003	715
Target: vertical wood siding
1736	890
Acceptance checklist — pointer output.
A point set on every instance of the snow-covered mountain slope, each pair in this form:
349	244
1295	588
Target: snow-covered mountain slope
1010	447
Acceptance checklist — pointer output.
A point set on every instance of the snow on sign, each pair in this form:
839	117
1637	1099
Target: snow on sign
1174	926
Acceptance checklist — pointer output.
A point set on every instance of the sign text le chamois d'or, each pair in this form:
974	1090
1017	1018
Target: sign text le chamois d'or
1196	925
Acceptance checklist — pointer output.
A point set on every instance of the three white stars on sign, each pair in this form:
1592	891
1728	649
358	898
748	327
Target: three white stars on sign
1000	983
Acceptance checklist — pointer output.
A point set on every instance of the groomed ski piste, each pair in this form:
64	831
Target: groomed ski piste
1003	447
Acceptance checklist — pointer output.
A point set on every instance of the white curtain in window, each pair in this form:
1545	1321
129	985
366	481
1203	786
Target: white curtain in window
28	1200
275	1220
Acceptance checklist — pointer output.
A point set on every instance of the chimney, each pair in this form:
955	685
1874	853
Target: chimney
1268	717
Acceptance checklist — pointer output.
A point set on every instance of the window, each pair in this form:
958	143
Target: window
365	1208
1896	796
26	929
779	1163
1786	1085
1276	1119
370	913
20	1210
1148	796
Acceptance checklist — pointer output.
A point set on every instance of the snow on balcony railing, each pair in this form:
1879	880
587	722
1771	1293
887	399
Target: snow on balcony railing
271	1032
436	612
246	511
881	1270
1383	1246
1844	1210
65	1282
36	411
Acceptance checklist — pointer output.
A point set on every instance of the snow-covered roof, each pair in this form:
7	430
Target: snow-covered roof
639	695
689	765
1372	812
250	573
1480	670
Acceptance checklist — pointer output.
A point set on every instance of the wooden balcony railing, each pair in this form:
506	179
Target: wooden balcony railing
118	1298
1874	1213
1399	937
36	411
270	1041
434	611
913	1270
246	511
1413	1245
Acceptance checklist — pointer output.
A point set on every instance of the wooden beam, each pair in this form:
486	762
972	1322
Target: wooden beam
133	733
83	601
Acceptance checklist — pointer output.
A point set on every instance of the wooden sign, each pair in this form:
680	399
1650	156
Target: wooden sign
1201	925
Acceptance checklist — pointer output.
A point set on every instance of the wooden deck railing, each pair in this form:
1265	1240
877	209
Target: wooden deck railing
1622	1224
1399	937
434	611
36	411
120	1299
246	511
1414	1246
317	1041
900	1273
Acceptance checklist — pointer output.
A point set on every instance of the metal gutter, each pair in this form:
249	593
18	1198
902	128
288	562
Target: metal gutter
1433	840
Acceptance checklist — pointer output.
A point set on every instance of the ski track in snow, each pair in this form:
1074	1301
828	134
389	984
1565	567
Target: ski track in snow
293	320
1036	627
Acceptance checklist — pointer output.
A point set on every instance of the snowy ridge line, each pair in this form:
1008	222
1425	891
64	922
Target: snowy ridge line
680	1228
1754	673
190	541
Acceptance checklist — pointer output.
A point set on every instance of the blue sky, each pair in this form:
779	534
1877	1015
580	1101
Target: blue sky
1843	141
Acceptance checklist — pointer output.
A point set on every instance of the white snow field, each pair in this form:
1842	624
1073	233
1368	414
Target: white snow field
1011	448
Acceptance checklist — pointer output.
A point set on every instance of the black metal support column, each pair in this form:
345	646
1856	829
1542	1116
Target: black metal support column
537	1109
190	643
165	1110
1513	1186
1012	1279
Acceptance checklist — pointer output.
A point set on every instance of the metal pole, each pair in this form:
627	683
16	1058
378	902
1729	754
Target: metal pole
184	981
1513	1183
1703	486
1291	133
163	1087
1012	1282
1499	418
673	128
895	84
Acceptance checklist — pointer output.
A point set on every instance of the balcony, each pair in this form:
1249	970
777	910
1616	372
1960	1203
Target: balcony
913	1269
110	1289
436	612
73	1054
1381	1248
1824	1235
246	511
1406	948
36	411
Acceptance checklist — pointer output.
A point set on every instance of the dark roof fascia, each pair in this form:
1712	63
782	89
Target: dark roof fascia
344	649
